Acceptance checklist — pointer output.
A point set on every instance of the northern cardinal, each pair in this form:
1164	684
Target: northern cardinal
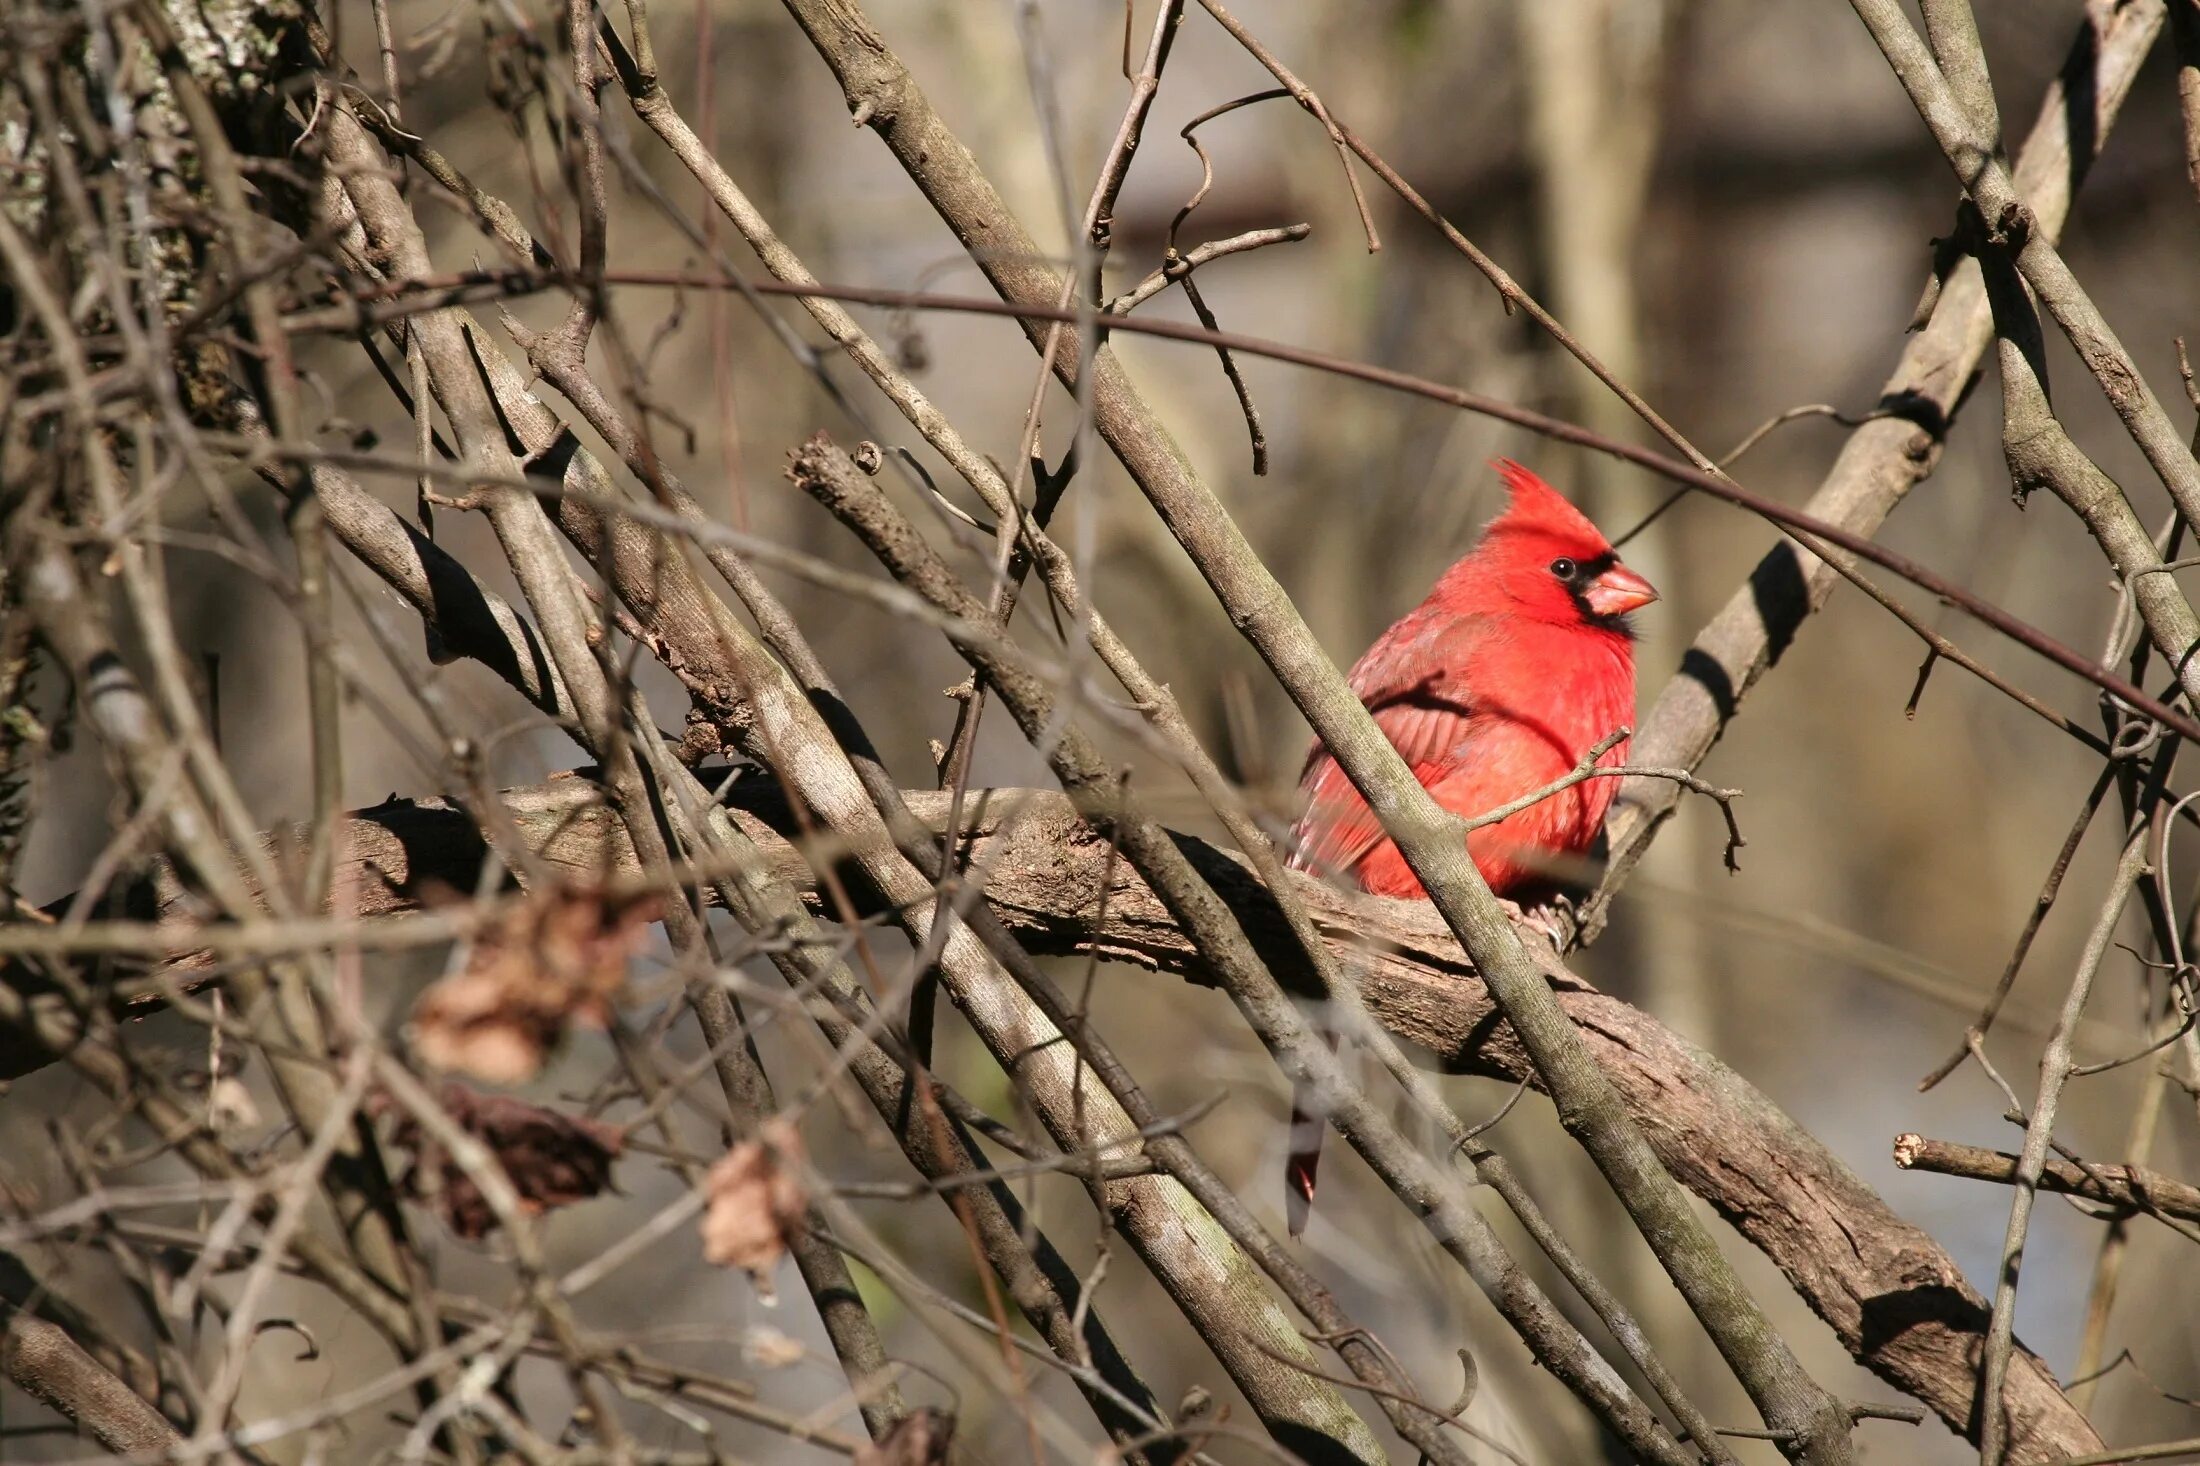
1518	663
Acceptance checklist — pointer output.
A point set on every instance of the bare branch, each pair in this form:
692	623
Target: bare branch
1898	1302
2127	1188
45	1363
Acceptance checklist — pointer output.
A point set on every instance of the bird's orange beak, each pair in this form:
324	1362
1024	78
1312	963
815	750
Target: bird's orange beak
1618	591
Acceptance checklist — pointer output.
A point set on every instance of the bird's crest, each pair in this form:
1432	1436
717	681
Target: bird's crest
1536	505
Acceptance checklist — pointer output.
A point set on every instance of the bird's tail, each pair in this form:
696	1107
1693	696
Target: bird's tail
1309	1119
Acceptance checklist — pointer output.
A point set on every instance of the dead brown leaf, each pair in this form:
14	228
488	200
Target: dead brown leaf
756	1203
552	1159
768	1348
554	959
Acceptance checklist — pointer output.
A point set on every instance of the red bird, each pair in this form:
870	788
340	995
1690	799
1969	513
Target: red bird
1518	663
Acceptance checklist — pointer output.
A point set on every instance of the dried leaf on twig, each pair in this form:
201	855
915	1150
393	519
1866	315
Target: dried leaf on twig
554	959
757	1203
768	1348
552	1159
229	1106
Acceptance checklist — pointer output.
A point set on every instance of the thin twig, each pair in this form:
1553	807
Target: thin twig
1183	265
1805	525
2130	1189
2055	1065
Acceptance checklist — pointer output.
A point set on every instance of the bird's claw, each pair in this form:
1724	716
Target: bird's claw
1548	919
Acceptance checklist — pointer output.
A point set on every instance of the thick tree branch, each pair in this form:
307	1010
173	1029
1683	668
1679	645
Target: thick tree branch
1435	1193
882	92
1895	1299
46	1364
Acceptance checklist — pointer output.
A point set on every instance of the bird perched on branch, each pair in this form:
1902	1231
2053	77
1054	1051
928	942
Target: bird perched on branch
1516	666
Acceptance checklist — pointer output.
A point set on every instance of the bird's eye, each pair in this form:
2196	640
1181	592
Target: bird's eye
1564	568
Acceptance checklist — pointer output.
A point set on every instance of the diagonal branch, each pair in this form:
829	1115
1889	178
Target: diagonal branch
1098	790
46	1364
1895	1299
885	95
2008	216
1207	1271
1885	458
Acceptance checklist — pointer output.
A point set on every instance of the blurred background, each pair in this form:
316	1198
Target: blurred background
1731	203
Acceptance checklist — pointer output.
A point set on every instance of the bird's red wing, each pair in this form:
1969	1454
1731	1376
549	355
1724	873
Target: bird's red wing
1413	680
1338	829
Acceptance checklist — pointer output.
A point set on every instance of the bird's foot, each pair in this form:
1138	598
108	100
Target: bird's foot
1549	919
